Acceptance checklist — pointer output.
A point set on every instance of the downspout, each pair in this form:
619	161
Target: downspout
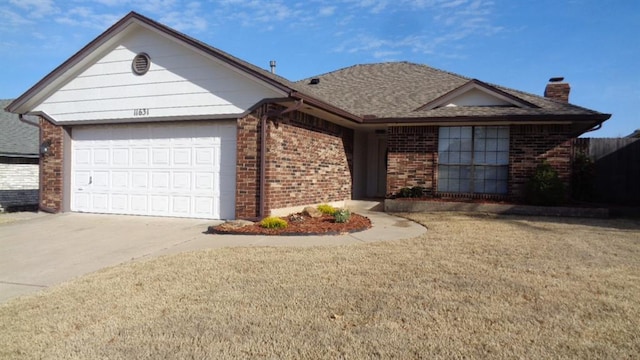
40	180
21	118
595	128
263	151
263	162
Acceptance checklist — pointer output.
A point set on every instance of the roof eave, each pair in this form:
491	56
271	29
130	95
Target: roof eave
585	118
326	107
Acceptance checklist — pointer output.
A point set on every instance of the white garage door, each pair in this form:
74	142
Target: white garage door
181	170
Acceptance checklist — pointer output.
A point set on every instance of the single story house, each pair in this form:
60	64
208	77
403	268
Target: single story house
18	162
146	120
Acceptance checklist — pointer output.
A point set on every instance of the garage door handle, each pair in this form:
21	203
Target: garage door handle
90	179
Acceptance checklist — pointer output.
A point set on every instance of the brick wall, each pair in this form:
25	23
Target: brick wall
309	161
18	185
412	157
51	166
532	144
248	167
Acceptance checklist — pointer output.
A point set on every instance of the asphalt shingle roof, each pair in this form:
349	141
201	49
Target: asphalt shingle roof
17	139
399	89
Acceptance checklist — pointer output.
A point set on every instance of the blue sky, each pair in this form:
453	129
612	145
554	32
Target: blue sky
594	44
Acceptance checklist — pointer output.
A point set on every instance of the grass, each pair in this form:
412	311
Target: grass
472	287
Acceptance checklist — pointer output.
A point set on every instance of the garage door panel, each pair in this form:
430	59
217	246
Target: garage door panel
181	157
119	180
160	156
119	202
182	181
160	204
101	156
82	201
100	202
204	156
160	180
185	170
139	180
204	181
120	157
82	157
140	157
139	204
203	205
181	205
82	178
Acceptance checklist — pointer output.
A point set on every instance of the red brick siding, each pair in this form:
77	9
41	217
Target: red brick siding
532	144
412	157
309	161
248	167
51	166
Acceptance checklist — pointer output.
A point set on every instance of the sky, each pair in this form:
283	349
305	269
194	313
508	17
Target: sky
593	44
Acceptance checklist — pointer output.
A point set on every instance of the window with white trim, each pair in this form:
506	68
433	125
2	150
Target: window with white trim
473	159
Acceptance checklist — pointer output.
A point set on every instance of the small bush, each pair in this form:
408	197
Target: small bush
417	192
326	209
341	215
545	186
273	222
405	192
582	180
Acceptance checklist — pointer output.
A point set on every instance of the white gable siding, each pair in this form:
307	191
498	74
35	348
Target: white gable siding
475	97
180	82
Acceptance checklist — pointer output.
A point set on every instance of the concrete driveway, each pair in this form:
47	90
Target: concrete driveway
49	249
41	250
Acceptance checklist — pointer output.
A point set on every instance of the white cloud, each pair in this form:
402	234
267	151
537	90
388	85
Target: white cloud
113	3
251	13
327	11
186	20
159	6
417	26
387	55
36	8
85	17
11	19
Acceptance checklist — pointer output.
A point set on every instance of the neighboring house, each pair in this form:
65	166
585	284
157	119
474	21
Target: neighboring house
146	120
18	162
635	134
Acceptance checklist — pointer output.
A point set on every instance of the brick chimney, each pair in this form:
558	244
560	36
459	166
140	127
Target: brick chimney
557	89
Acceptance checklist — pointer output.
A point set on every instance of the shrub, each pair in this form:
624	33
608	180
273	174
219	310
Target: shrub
582	179
545	186
273	222
405	192
417	192
341	215
326	209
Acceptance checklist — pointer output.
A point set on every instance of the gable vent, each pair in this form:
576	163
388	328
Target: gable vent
141	64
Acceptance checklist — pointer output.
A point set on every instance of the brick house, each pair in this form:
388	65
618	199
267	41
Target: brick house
145	120
18	162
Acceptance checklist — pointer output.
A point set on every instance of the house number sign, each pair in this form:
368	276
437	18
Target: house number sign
141	112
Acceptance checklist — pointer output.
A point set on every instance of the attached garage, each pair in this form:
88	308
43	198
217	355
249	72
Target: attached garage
159	169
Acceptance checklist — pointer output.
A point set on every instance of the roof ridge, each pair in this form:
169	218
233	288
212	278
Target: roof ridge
406	62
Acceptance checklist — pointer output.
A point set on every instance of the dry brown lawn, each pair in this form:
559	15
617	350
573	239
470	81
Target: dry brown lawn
474	287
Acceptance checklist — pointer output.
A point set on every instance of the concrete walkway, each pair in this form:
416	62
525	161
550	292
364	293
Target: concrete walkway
40	250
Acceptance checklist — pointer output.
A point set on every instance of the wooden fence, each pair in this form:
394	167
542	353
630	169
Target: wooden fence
617	168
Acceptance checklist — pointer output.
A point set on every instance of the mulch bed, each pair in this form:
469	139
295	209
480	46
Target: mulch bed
299	224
